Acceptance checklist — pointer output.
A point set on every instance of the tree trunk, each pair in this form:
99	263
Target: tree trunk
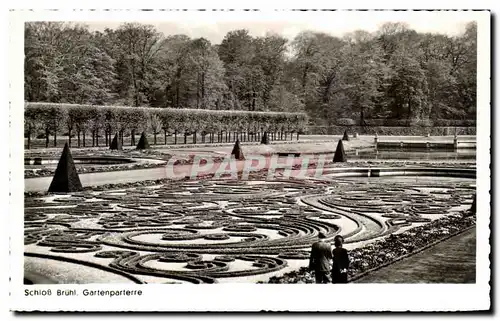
362	117
175	137
297	135
198	90
83	136
121	135
304	79
203	90
106	137
78	137
132	137
69	138
29	139
55	137
195	137
47	137
409	111
154	137
165	133
178	75
185	138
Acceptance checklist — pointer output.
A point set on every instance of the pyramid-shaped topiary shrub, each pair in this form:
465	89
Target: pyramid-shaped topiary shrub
265	139
345	137
116	143
473	206
66	178
340	153
237	151
143	142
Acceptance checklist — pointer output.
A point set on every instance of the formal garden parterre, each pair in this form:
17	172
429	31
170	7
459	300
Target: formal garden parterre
210	231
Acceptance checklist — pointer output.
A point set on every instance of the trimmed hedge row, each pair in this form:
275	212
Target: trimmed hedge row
55	118
404	122
392	130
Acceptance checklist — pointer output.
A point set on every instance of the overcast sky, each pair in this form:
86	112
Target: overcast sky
215	26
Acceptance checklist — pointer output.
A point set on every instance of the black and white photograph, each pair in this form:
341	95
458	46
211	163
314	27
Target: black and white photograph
192	152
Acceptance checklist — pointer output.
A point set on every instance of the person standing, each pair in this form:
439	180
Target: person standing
340	261
319	262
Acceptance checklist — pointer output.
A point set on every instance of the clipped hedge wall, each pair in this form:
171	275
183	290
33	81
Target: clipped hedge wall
52	118
391	130
404	122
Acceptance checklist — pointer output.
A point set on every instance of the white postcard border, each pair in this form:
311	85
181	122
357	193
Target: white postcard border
246	297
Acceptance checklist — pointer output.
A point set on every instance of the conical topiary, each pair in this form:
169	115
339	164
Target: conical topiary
143	142
345	137
237	152
66	178
116	143
265	139
340	153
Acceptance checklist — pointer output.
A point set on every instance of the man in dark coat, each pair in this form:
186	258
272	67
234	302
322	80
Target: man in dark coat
319	262
340	261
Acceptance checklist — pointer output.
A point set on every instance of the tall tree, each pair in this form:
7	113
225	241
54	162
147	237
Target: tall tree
242	77
207	74
63	63
364	73
136	46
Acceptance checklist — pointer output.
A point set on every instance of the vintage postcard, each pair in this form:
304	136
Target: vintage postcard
249	160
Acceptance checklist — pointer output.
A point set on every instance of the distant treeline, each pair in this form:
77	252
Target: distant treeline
394	73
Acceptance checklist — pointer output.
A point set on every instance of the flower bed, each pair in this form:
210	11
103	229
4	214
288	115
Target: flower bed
391	249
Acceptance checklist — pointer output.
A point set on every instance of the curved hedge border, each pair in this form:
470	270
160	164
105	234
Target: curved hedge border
53	118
